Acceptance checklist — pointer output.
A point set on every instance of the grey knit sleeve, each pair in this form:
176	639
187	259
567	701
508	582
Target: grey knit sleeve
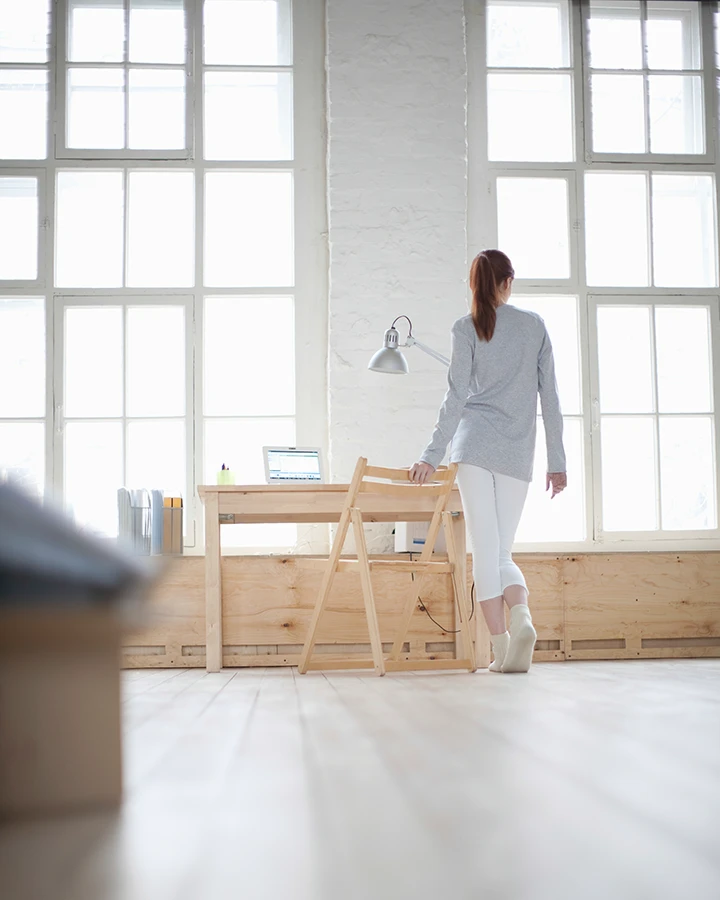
550	405
456	397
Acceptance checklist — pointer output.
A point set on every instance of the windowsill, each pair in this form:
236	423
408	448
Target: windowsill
519	550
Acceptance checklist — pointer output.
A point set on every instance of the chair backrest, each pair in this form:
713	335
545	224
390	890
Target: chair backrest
396	482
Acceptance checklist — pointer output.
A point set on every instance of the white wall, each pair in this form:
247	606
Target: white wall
397	189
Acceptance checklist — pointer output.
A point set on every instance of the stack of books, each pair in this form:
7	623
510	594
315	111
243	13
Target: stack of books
149	523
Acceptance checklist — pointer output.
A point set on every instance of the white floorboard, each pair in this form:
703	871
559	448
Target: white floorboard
579	780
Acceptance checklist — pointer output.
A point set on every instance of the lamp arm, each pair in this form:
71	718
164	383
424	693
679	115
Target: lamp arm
414	342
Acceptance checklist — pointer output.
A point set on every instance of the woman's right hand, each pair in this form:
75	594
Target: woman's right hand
558	480
421	472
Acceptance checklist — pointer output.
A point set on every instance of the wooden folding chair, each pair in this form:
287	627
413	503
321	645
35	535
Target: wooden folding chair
362	483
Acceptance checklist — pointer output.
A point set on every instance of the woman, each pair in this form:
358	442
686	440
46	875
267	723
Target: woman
501	359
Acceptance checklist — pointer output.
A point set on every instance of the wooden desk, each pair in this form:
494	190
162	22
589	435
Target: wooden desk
294	503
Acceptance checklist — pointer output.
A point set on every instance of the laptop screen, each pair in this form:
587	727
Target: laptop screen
290	464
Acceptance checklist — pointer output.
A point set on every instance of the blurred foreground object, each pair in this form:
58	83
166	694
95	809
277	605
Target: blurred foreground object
65	599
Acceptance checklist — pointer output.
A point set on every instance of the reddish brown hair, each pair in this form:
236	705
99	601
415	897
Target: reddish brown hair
488	271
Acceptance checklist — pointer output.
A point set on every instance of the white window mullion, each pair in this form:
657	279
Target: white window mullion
126	226
645	75
126	73
595	418
58	436
656	421
196	414
651	241
715	359
58	111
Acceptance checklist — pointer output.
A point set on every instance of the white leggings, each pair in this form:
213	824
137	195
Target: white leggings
493	505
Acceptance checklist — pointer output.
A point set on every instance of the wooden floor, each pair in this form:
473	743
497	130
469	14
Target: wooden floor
582	780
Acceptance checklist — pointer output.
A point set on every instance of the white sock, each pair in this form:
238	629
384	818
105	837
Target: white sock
499	647
522	640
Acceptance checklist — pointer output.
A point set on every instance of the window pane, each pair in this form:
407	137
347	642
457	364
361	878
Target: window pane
247	32
673	35
93	474
157	31
18	229
155	362
676	114
682	340
533	226
562	519
22	455
629	481
248	229
96	31
89	229
618	113
238	443
157	109
161	236
24	30
248	115
96	109
616	246
23	113
615	34
156	457
241	377
533	35
530	117
560	315
93	362
687	473
685	250
625	359
22	357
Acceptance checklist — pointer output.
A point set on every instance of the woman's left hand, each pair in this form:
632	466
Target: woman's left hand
421	472
556	480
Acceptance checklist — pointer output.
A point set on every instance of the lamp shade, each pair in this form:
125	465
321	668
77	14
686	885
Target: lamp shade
389	359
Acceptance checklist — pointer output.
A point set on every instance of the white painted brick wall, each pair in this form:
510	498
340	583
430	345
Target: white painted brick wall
397	193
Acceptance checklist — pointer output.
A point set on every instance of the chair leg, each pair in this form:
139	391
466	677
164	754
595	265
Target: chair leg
366	582
458	579
324	592
406	618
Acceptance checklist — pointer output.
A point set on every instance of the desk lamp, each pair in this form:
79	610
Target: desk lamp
391	361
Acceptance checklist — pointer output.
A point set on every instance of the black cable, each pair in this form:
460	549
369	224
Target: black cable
427	611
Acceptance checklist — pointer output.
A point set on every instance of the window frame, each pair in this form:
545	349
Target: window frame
309	290
61	32
629	300
22	170
108	298
482	232
46	419
709	104
562	172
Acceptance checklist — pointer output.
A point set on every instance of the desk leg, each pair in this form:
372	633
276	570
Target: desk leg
480	629
458	527
213	597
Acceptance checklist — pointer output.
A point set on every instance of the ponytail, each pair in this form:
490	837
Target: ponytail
489	269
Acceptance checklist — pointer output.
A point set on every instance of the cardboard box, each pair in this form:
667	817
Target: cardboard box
173	543
60	741
65	598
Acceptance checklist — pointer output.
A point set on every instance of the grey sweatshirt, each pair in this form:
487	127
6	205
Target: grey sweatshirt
490	407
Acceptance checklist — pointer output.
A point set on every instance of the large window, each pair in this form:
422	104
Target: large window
155	156
594	165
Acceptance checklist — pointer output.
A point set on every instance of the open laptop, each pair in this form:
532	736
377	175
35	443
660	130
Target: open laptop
293	464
